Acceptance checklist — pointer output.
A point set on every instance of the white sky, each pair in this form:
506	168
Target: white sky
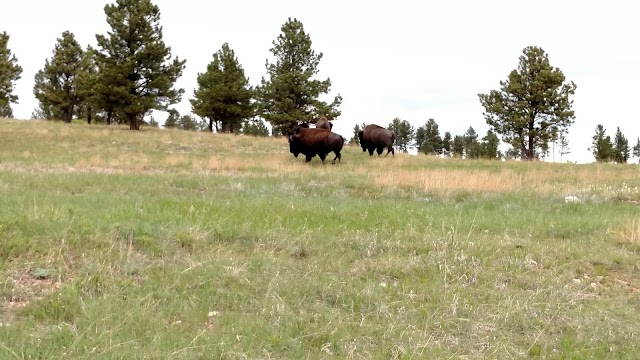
409	59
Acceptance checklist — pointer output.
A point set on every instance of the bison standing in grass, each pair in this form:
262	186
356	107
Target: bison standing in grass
374	137
313	141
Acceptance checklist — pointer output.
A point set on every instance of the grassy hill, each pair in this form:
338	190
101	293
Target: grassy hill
164	244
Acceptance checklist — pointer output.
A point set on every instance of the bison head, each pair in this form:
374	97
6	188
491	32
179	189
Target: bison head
361	140
294	144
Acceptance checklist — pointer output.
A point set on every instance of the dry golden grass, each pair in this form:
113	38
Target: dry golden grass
628	235
445	180
74	148
540	179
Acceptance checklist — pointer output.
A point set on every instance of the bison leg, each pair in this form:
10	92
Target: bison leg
338	156
322	156
380	149
308	158
371	149
390	150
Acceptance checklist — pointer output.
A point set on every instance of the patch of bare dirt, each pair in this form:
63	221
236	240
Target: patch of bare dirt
27	285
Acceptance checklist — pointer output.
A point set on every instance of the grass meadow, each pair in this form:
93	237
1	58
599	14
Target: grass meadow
165	244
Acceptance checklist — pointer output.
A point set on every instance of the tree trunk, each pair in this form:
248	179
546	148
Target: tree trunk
210	125
133	123
89	115
109	115
530	150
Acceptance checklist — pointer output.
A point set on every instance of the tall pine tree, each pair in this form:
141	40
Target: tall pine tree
621	149
56	84
428	140
10	72
223	95
290	93
489	146
532	104
636	150
404	132
457	146
136	71
447	144
471	144
86	82
602	147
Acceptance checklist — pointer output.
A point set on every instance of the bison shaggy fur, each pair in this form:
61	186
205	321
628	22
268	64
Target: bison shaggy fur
313	141
323	123
375	137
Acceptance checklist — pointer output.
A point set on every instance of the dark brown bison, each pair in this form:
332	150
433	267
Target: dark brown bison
312	142
323	123
374	137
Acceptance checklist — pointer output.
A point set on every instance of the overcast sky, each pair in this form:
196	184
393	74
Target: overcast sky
405	58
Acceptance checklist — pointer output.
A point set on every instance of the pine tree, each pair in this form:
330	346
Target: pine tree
188	122
290	94
602	148
489	146
446	144
636	150
172	119
223	95
355	140
532	104
404	133
512	153
55	84
10	72
136	74
471	144
621	149
86	82
255	127
457	146
428	140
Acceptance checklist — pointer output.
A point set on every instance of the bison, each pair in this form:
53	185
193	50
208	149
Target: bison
378	138
312	142
323	123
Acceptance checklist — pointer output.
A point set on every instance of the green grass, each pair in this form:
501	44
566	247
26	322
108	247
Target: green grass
164	244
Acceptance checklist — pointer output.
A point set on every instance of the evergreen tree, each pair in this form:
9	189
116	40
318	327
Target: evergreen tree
457	146
404	133
86	82
55	85
188	122
223	95
512	153
532	104
602	148
489	146
471	144
136	74
355	140
290	94
428	140
636	150
621	149
446	144
255	127
172	119
10	72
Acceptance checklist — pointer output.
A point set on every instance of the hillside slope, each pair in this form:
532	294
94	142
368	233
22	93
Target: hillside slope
173	244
